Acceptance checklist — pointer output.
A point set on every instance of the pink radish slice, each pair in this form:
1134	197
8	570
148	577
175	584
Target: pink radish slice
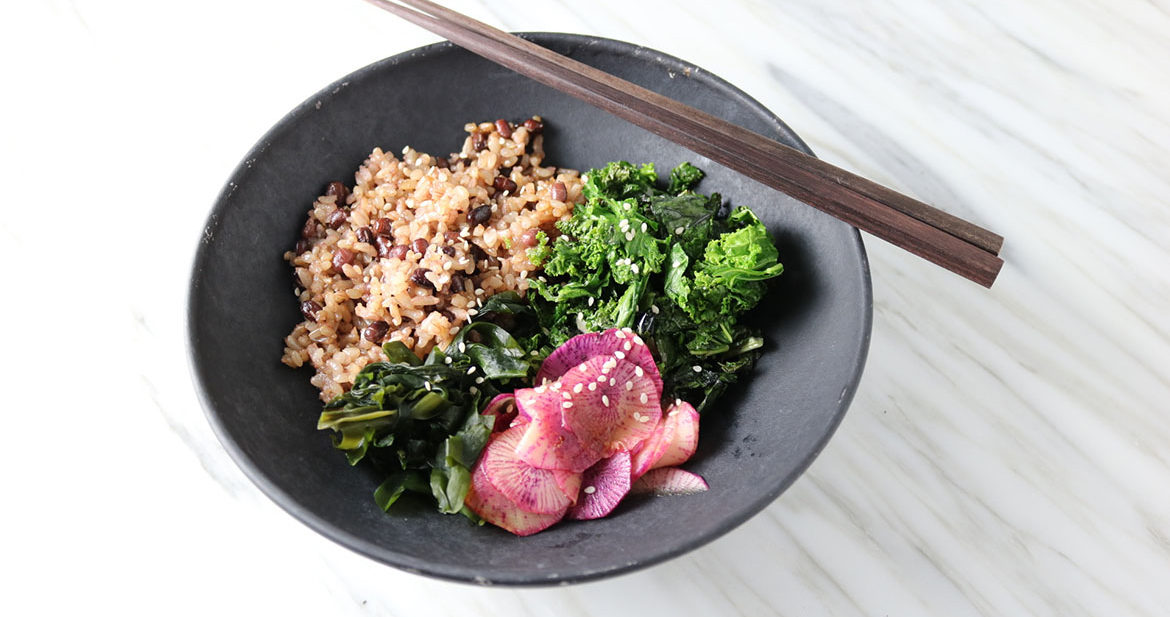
503	407
545	443
608	404
603	487
569	483
646	455
685	438
531	489
492	506
585	346
668	481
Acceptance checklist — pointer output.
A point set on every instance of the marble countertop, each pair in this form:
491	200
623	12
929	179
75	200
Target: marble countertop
1007	453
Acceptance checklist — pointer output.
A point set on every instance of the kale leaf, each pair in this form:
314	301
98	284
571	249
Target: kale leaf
665	262
418	420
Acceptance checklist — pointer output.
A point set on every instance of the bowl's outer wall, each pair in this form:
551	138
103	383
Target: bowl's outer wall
763	435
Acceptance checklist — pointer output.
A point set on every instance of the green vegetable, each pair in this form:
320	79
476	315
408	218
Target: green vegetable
419	421
665	262
601	264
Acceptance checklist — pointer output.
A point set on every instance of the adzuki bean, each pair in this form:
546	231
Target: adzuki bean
310	309
419	277
480	215
376	331
342	257
504	128
338	190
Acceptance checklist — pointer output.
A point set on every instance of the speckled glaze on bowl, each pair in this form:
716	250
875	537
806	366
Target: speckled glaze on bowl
764	434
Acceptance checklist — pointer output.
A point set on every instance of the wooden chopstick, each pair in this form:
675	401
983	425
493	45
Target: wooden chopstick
957	245
711	126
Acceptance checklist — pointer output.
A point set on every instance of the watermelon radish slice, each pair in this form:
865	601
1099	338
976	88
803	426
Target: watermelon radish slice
623	344
685	438
503	407
608	404
532	489
603	487
569	483
646	455
668	481
492	506
545	443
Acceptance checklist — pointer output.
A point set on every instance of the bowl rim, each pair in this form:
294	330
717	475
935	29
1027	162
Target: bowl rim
289	502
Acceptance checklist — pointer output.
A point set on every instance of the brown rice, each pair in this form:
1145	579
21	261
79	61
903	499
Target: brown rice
423	299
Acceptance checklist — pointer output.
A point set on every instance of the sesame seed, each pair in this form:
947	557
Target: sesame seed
638	340
592	386
479	380
535	353
678	231
589	490
605	400
577	388
678	401
471	370
428	386
567	404
540	389
644	419
638	371
447	360
601	378
654	308
629	386
620	334
455	330
590	301
634	267
628	346
523	274
630	237
566	395
696	368
462	347
643	398
472	311
621	355
644	227
612	382
473	390
637	417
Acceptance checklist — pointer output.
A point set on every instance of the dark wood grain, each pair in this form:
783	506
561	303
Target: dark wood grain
948	241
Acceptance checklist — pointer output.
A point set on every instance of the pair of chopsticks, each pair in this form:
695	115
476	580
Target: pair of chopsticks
946	240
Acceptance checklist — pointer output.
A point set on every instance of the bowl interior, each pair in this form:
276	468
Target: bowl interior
816	319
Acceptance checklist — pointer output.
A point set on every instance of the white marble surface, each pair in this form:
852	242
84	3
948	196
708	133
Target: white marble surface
1006	454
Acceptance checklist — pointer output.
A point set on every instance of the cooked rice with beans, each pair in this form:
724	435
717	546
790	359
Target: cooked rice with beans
417	244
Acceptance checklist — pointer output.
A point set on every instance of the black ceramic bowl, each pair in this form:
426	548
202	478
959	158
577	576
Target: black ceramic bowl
762	436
